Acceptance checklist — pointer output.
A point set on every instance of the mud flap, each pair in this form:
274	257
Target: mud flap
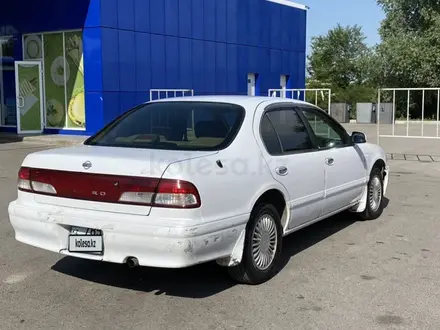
386	180
237	253
362	205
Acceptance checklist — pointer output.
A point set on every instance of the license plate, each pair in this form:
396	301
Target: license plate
85	240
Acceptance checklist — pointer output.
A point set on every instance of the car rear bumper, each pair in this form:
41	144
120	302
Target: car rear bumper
155	246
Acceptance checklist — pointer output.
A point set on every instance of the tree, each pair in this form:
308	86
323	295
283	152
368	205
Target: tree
409	54
337	57
341	60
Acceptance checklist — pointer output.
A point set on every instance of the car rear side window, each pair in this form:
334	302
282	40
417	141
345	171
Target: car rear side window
174	125
290	130
269	136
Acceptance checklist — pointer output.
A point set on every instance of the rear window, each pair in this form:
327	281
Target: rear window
174	126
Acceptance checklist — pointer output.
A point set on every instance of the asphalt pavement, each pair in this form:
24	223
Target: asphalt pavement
338	274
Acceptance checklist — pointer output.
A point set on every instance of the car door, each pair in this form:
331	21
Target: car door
289	152
345	164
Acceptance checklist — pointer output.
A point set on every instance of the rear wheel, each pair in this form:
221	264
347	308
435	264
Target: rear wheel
374	207
262	247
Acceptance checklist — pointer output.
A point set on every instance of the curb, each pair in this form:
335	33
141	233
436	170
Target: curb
55	140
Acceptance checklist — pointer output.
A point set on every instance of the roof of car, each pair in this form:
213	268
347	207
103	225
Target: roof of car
243	100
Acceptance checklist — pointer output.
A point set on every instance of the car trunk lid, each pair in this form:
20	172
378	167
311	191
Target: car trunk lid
95	178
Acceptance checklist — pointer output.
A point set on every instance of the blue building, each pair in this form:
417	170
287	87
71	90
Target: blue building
70	67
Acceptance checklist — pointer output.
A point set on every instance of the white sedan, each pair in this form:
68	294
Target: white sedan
182	181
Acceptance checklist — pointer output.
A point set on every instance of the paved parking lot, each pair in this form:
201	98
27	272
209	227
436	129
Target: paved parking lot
338	274
402	145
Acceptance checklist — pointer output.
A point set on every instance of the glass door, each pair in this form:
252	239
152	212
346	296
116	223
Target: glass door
29	91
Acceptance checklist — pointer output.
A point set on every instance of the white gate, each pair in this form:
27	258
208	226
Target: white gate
157	94
408	113
296	94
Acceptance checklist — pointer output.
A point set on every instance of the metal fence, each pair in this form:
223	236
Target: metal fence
414	113
157	94
303	94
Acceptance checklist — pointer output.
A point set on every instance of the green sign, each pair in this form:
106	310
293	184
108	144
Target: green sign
76	115
55	73
29	100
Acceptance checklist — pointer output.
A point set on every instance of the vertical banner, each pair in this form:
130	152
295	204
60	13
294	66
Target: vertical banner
56	70
76	116
29	96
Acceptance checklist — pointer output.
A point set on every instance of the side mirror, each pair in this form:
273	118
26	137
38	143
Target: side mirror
358	137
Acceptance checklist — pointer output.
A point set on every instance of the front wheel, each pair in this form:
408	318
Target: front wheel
262	247
374	207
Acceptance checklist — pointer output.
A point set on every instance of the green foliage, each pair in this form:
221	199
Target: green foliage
408	56
336	58
341	60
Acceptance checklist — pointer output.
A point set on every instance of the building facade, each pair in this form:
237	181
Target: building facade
70	67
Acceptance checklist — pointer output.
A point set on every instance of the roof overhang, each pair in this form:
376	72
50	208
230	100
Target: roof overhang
290	4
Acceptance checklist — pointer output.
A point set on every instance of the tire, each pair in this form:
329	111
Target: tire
374	207
253	270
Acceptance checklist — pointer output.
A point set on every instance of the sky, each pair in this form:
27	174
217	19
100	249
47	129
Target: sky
325	14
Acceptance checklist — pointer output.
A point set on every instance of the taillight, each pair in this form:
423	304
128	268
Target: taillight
131	197
110	188
176	193
24	181
34	180
41	182
168	193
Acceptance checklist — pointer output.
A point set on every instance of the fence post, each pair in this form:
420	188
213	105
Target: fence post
423	111
329	101
407	112
438	108
394	109
378	117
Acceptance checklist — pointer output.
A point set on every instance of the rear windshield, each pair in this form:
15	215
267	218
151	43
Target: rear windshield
173	126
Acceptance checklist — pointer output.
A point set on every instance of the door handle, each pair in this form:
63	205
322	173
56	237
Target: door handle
282	170
20	101
329	161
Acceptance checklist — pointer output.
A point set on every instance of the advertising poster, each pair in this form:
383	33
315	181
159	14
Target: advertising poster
29	96
76	117
55	71
33	49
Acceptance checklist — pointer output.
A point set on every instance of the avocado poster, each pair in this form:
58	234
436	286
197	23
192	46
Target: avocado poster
63	79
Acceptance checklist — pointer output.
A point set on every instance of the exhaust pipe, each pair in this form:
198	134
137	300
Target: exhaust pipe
132	262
